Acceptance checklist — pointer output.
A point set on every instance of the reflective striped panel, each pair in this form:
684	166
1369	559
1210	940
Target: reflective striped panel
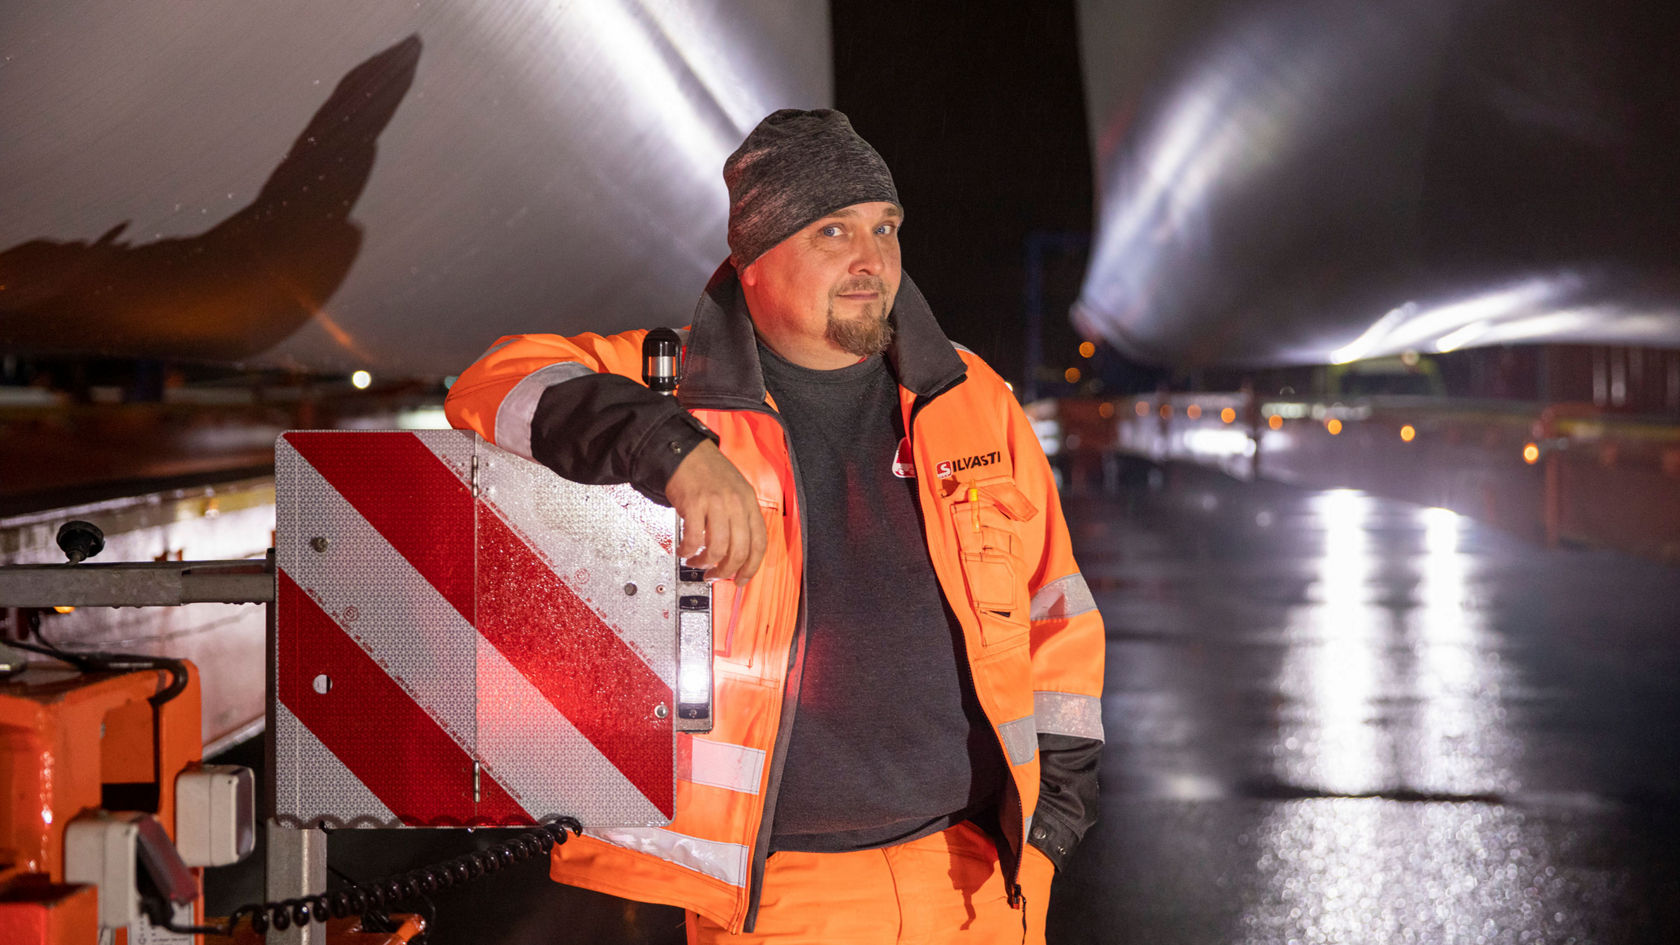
722	765
1067	713
1063	598
513	417
1020	739
715	858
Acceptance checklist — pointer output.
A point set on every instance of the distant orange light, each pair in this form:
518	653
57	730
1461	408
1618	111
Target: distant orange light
1106	410
1407	433
1229	415
1143	408
1086	349
1166	411
64	610
1194	411
1275	422
1071	375
1333	425
1531	453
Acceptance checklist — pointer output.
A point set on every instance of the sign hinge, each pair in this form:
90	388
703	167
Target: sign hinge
475	476
477	770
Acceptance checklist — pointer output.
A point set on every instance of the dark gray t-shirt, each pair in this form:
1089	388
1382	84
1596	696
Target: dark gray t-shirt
888	742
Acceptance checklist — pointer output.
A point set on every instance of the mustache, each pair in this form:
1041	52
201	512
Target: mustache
862	284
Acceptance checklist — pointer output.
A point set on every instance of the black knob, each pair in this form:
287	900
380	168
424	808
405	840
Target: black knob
661	359
80	540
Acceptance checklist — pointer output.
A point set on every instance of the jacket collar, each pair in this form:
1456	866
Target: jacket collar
721	369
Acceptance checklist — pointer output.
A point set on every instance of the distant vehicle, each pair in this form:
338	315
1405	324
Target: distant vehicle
1413	376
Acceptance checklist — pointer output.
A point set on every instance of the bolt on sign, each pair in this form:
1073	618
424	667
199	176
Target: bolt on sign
462	637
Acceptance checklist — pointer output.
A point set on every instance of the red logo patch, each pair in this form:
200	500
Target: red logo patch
903	466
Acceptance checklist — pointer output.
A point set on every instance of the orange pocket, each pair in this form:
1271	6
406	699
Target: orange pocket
744	613
991	580
985	517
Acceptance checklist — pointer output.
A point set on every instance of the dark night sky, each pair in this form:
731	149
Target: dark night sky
979	111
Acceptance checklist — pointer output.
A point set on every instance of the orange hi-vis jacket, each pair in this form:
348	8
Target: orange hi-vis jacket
992	523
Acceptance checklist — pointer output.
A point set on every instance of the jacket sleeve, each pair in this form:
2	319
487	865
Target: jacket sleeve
574	405
1068	645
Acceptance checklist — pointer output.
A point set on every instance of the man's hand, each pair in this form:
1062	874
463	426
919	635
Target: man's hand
722	528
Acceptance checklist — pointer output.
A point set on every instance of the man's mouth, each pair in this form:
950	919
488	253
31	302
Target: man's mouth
861	293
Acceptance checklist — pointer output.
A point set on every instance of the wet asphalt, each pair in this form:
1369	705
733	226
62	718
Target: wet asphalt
1331	718
1334	718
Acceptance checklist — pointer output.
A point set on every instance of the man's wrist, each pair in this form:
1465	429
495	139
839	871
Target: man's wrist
664	449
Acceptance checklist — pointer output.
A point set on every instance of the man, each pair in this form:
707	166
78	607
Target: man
907	688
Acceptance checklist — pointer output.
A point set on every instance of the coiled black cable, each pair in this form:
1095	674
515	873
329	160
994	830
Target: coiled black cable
379	895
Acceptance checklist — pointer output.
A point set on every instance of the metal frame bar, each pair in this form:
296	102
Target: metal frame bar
137	584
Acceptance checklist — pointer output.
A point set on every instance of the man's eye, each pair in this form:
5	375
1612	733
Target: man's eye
887	229
833	229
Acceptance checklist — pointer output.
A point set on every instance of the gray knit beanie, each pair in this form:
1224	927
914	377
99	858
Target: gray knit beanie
795	167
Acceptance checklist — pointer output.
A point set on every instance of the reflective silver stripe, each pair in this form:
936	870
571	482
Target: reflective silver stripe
513	417
1063	598
1020	739
498	346
715	858
731	767
1067	713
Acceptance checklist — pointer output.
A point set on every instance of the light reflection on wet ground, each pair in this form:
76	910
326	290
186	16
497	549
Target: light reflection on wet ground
1331	719
1335	718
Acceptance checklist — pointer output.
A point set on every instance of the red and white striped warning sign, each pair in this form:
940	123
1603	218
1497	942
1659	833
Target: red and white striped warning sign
463	637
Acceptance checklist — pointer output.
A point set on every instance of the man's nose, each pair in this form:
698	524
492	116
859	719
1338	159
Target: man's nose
867	258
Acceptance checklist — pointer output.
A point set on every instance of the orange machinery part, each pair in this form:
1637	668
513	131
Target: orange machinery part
65	737
48	912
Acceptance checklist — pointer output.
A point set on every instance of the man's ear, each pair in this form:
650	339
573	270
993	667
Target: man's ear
749	275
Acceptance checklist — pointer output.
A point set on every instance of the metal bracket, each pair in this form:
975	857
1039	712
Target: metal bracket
137	584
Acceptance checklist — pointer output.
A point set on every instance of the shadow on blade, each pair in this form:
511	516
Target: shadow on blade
236	289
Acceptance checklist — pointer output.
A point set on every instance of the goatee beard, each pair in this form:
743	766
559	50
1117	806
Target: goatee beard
866	335
870	332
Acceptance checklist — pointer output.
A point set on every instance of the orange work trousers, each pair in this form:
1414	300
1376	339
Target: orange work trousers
946	887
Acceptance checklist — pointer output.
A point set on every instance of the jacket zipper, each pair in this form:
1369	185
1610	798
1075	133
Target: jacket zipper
796	661
1012	879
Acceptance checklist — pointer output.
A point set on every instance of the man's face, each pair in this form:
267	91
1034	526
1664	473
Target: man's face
832	282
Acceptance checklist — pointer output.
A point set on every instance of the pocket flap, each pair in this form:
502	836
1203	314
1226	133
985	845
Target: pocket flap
1009	499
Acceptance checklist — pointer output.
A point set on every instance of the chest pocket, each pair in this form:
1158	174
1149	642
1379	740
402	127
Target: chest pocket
987	515
742	615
